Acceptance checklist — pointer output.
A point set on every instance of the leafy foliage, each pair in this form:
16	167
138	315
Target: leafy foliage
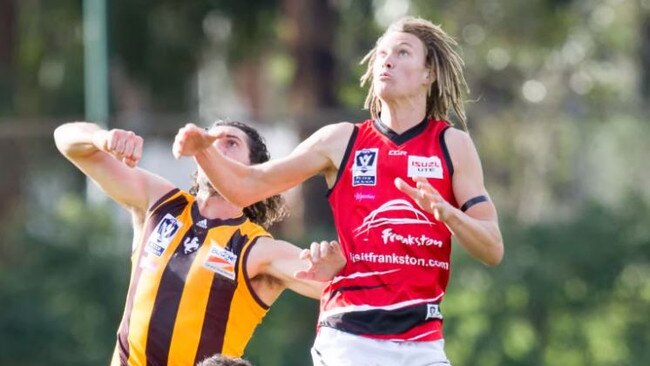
570	293
62	287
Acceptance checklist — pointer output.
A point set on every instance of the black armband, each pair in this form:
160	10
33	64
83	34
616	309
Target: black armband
473	201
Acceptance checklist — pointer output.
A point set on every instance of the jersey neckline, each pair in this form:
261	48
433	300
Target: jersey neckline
405	136
200	220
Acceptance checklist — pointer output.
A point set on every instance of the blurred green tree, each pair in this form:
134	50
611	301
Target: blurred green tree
63	282
570	293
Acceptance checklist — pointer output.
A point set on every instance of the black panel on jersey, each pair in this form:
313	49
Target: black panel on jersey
399	139
346	157
357	288
445	151
378	321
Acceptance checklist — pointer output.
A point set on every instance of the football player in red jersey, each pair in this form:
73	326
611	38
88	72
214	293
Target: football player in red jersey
400	185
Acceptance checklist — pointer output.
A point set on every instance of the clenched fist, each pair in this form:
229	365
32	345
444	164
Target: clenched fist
124	145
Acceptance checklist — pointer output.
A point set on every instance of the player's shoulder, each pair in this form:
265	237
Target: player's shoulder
456	138
337	129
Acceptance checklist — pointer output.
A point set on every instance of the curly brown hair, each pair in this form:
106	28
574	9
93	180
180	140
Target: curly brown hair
270	210
442	59
221	360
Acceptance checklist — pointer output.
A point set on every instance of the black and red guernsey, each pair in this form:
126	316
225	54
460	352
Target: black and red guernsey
398	255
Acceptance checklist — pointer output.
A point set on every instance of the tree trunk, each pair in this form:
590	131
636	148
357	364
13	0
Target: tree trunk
311	31
12	162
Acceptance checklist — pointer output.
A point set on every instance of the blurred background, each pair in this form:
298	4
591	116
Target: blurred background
559	110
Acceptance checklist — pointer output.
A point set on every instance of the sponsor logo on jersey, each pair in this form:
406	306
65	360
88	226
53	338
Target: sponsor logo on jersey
428	167
221	261
360	196
191	245
202	224
393	212
433	312
364	169
162	235
388	236
397	153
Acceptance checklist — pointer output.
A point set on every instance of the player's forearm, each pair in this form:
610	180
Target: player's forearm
481	238
307	288
234	181
77	138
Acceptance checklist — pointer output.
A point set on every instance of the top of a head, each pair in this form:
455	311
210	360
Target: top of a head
431	35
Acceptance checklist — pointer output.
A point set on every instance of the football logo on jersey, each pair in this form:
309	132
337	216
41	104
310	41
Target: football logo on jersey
221	261
191	245
162	235
364	169
421	166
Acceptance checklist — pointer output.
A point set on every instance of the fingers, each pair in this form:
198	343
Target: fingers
125	146
305	254
405	187
425	195
315	252
423	184
179	148
418	195
191	139
318	252
304	275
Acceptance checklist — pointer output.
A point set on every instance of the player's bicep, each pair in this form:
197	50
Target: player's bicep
130	187
468	182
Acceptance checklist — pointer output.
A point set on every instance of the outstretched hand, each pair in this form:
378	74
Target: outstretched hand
191	139
124	145
325	261
427	197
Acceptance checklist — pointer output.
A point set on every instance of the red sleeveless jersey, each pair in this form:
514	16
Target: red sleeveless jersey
398	255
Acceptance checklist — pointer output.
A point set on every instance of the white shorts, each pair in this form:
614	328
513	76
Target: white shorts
335	348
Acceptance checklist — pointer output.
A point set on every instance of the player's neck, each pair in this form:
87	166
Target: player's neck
216	207
400	117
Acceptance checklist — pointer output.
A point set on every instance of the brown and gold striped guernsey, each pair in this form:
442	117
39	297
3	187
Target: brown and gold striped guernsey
189	295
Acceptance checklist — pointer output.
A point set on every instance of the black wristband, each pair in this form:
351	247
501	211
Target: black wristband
472	201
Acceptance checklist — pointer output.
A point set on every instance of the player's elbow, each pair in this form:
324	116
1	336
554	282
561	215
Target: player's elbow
495	255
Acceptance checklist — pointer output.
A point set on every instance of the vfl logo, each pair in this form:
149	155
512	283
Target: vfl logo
393	212
190	246
162	235
364	169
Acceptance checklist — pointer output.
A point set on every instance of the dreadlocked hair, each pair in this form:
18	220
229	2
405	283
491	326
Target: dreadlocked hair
265	212
441	58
